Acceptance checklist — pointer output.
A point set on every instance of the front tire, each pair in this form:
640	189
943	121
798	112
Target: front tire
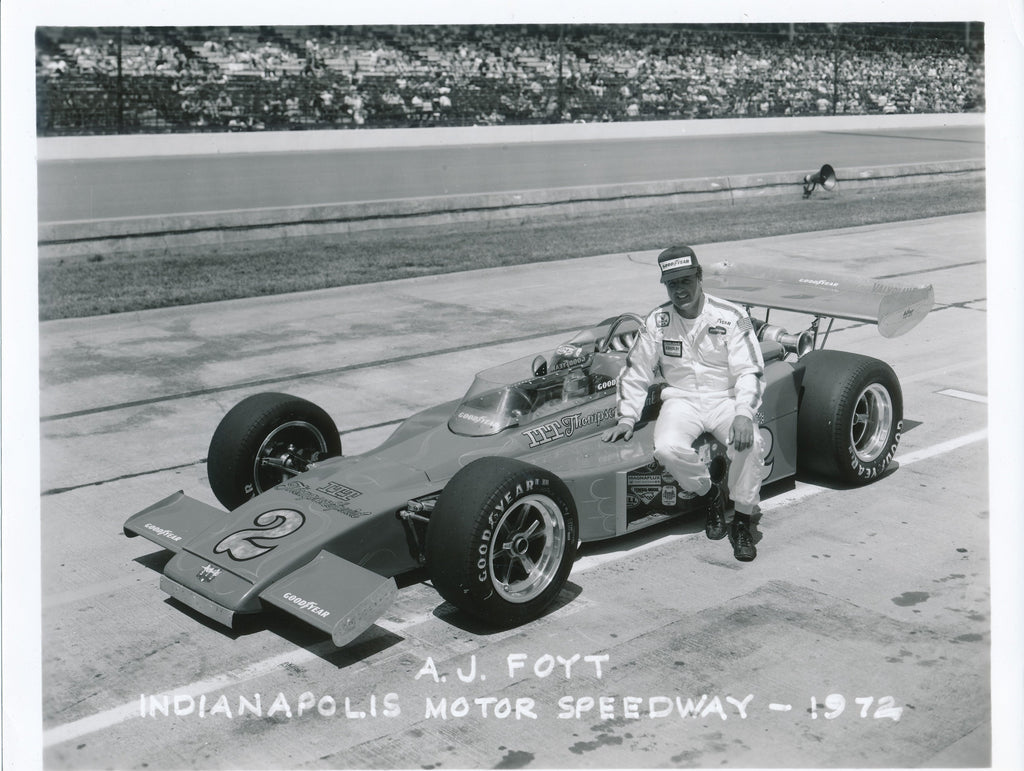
851	416
501	540
264	440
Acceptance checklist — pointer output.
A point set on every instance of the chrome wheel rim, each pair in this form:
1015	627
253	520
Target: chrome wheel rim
527	548
287	450
872	422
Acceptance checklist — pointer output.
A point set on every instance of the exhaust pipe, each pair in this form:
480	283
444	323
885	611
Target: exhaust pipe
799	343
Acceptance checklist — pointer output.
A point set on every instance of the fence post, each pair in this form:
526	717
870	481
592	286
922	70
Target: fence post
835	68
120	87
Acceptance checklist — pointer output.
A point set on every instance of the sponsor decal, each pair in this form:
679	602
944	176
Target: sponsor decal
606	384
673	348
566	426
568	355
307	605
567	363
207	573
668	495
304	492
339	491
248	544
819	282
678	262
170	535
661	319
480	420
646	494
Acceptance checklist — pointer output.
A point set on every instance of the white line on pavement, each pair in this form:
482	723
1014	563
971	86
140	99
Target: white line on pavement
798	493
111	717
966	395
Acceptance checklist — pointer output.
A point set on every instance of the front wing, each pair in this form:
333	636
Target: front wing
334	595
172	522
329	593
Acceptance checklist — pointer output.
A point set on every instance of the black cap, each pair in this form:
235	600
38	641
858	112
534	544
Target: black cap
676	262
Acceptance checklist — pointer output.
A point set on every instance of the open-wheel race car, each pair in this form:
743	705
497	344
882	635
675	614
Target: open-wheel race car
492	494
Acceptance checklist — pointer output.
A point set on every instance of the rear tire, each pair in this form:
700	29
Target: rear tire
501	540
850	418
264	440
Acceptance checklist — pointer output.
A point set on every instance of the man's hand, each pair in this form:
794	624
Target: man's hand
741	433
617	432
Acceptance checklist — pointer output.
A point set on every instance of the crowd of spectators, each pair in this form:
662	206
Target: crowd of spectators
189	79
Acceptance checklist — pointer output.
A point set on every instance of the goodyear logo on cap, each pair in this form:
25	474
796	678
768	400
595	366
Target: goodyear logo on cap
677	262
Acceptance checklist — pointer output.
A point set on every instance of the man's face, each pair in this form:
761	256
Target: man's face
685	293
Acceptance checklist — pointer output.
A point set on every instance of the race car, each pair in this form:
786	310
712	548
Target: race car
491	495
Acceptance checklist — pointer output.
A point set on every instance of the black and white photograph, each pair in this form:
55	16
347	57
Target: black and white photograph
512	386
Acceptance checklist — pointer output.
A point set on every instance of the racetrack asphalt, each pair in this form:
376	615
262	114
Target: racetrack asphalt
861	636
100	188
205	189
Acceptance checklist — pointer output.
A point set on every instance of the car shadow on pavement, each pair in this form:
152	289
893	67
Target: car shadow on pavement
463	621
277	622
155	561
831	484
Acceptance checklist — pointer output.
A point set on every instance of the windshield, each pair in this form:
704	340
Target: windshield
491	411
491	407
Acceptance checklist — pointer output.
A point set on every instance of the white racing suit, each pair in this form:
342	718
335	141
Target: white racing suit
714	371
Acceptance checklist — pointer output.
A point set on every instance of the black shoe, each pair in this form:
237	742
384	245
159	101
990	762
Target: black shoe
714	521
742	541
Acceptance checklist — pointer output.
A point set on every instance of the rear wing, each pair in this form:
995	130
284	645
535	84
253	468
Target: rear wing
894	308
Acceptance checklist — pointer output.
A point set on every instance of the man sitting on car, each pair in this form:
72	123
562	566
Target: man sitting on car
710	358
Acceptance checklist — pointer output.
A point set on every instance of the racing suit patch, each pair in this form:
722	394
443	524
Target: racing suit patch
661	319
672	348
717	330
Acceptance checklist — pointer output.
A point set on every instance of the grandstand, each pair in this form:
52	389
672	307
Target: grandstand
180	79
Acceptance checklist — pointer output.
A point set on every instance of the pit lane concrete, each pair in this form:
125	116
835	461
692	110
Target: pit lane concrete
869	593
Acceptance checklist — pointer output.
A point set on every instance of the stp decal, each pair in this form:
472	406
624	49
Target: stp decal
242	545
